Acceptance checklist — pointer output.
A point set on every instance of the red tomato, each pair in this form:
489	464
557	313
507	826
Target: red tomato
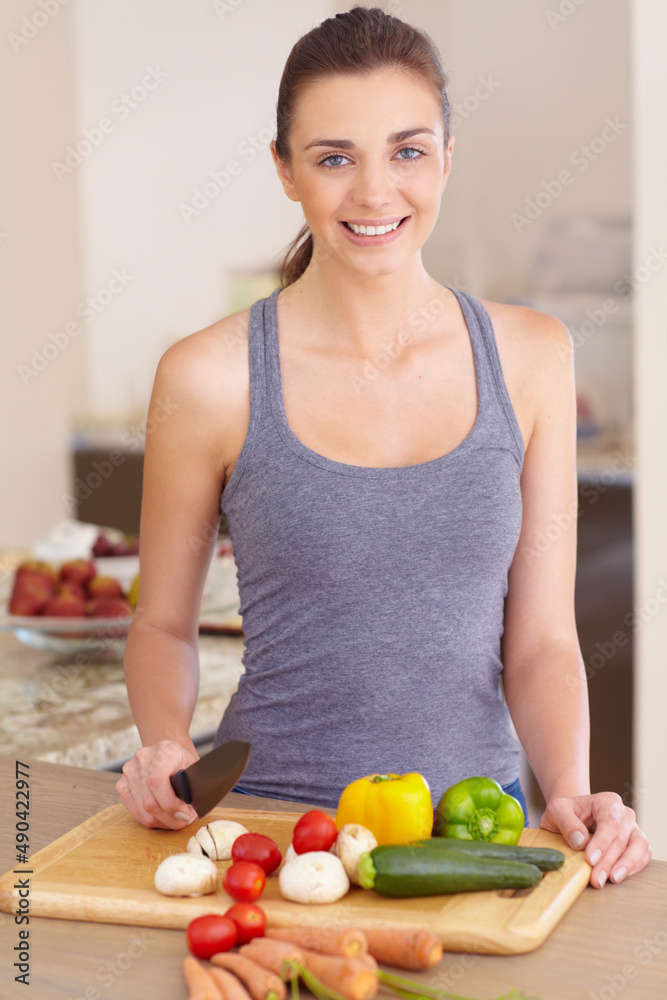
258	848
244	881
249	919
315	831
210	934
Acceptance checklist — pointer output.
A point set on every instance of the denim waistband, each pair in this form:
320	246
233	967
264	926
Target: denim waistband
515	789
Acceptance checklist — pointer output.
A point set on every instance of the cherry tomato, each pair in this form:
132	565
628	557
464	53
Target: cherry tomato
210	934
244	881
258	848
250	921
315	831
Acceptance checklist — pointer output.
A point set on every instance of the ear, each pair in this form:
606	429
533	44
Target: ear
284	173
448	161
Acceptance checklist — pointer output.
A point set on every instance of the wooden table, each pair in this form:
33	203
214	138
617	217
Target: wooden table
612	943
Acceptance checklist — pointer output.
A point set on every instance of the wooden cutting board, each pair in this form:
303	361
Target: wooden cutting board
103	871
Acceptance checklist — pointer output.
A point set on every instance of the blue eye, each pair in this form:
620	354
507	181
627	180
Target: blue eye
331	156
326	160
411	149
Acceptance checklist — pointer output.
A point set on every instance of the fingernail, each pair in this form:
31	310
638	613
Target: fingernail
595	857
577	838
619	874
183	816
602	878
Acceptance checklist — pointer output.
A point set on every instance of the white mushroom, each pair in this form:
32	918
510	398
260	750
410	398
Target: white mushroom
215	839
186	875
290	854
352	841
202	843
313	877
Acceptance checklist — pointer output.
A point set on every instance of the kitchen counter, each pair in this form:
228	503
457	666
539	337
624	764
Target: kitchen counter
55	710
610	938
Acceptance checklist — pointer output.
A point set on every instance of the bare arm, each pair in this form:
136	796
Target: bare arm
184	472
544	677
179	521
544	680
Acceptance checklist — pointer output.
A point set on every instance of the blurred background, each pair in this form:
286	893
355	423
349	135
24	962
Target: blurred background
140	203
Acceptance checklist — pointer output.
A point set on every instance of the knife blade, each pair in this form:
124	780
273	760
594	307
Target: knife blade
208	780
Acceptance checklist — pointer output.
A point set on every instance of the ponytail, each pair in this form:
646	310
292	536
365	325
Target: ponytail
297	257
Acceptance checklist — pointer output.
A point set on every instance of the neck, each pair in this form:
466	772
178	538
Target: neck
364	313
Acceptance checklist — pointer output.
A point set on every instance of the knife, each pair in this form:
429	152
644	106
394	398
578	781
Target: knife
208	780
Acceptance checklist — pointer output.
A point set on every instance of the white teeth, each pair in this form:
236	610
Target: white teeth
372	230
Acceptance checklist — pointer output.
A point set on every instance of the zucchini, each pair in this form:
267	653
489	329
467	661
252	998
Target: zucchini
544	858
409	870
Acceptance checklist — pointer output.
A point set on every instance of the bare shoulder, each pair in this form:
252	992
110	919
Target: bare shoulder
207	371
535	351
214	352
211	364
524	332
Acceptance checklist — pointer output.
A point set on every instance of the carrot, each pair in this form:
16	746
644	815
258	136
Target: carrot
355	978
406	949
260	983
201	985
368	960
347	941
273	955
229	986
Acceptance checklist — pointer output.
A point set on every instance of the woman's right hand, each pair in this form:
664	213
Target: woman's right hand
145	788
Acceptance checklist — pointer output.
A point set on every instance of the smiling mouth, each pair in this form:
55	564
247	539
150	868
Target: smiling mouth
349	227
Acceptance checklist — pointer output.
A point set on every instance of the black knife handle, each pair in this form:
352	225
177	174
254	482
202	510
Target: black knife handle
181	785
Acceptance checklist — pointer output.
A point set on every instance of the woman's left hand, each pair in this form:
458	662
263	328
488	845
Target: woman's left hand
605	828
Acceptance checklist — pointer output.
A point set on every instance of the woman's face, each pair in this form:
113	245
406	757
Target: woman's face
350	166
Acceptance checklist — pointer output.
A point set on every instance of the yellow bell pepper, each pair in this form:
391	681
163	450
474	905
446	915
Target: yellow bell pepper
395	808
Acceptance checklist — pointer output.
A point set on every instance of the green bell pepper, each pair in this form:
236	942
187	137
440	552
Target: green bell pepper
478	809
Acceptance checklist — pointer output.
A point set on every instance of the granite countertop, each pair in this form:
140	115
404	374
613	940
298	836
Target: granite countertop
55	710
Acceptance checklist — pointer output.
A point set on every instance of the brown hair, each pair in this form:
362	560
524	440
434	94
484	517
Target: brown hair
358	41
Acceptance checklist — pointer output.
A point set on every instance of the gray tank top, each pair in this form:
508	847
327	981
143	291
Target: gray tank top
372	598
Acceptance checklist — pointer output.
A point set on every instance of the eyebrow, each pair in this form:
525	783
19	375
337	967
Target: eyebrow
392	139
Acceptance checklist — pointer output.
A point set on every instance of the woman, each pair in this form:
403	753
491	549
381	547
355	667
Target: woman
387	450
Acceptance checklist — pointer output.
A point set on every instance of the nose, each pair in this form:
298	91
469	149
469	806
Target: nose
373	185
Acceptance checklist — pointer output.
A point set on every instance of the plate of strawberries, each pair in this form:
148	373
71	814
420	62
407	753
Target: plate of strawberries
68	608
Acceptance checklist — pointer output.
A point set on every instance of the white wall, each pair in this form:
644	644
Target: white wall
64	232
649	35
218	67
40	274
